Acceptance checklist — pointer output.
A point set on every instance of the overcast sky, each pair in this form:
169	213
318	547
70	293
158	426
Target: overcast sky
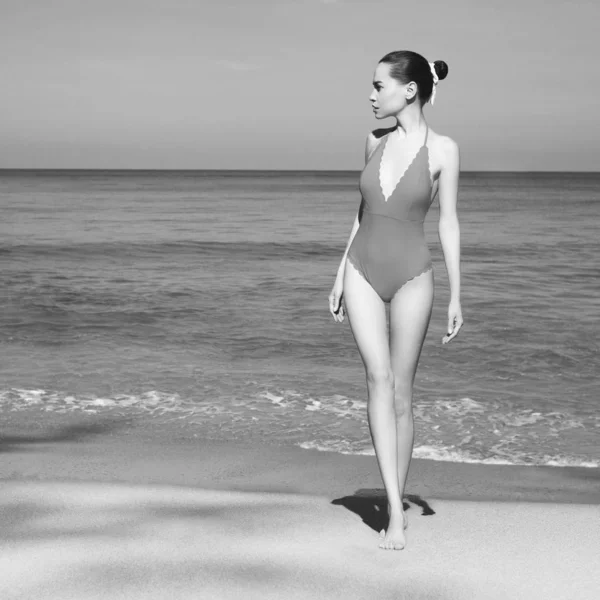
266	84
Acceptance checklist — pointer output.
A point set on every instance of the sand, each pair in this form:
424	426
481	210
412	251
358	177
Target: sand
86	540
151	516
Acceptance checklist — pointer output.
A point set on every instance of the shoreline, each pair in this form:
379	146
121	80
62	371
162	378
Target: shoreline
168	457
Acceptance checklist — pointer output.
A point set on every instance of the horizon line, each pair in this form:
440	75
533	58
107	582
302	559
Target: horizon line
146	170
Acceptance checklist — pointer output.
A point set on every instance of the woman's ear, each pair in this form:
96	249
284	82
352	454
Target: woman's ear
411	90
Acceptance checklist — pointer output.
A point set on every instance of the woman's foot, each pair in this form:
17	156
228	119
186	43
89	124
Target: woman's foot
393	538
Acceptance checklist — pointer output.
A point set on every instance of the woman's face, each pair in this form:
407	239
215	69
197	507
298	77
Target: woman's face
389	95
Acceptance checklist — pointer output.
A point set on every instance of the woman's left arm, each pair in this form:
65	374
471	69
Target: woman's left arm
449	231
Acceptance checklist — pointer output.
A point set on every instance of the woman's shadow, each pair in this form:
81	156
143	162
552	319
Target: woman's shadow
371	506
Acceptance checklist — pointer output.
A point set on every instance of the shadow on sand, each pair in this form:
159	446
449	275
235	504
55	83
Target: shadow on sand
371	506
67	433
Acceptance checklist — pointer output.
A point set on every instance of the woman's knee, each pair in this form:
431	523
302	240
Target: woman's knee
380	378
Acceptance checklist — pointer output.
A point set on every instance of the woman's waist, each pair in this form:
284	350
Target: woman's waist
388	233
384	248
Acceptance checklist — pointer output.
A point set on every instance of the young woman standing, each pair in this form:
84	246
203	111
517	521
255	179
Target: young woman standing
387	261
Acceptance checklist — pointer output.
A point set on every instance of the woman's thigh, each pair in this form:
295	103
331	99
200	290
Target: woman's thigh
366	314
410	313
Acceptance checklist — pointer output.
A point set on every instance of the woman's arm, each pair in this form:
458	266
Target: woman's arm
448	227
449	232
371	144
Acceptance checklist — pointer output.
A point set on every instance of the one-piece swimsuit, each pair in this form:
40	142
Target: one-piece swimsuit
389	248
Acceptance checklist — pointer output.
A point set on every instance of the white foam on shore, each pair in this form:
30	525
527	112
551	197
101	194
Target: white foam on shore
464	430
450	455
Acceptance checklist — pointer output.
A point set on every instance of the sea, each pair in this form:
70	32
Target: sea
199	300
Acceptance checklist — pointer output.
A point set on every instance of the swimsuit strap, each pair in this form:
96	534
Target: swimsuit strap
426	135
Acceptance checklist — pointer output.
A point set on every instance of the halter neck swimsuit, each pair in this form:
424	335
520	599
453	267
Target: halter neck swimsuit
389	248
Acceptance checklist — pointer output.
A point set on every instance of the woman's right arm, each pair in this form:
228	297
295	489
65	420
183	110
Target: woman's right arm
370	146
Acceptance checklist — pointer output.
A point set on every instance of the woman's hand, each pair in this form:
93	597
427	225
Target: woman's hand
455	321
336	308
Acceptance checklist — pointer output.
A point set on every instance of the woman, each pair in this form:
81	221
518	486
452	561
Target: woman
387	260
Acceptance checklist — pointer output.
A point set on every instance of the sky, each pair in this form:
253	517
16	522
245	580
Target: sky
266	84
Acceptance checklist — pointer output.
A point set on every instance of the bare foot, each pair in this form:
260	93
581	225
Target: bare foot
393	538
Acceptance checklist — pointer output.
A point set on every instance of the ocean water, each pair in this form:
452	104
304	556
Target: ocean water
200	299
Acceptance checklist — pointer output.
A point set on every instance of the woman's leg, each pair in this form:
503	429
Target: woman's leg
366	314
410	312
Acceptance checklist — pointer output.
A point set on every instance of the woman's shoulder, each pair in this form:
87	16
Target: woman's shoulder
374	139
443	143
443	146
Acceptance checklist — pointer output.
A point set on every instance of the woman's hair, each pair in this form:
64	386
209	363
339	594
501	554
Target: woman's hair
407	66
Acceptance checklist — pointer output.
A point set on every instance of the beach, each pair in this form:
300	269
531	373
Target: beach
151	515
180	417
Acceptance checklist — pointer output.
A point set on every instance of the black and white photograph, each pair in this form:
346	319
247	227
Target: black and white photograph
299	299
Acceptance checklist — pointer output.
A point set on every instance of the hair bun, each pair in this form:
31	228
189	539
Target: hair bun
441	69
